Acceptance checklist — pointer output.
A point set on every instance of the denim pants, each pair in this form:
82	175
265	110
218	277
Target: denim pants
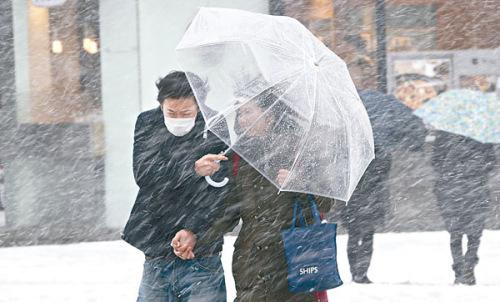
177	280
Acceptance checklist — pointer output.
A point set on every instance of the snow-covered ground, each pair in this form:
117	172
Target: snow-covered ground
405	267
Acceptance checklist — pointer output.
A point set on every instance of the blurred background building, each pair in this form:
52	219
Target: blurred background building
418	49
75	74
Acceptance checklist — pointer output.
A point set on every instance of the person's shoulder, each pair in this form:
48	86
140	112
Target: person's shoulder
150	115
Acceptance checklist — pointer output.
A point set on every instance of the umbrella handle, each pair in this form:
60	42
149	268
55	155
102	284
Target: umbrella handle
216	184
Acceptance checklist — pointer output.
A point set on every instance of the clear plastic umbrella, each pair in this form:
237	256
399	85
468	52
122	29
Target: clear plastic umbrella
279	98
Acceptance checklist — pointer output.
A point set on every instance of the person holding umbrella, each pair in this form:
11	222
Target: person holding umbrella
259	266
463	197
467	124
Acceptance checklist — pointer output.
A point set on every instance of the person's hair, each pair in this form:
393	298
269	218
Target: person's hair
175	85
267	98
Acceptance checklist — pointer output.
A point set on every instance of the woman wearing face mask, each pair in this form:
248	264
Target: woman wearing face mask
175	207
259	265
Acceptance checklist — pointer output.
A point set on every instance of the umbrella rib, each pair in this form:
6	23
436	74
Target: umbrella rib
300	49
285	51
341	111
304	139
306	136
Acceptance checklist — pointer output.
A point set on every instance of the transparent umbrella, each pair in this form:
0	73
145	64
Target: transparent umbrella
279	98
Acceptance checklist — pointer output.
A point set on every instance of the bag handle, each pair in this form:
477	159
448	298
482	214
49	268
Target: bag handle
297	210
314	208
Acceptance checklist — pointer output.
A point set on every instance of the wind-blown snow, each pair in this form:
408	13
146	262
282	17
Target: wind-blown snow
406	267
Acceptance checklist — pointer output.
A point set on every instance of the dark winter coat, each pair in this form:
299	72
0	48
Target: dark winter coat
462	166
171	195
394	127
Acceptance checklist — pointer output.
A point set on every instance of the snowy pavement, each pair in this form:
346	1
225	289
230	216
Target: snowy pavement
405	267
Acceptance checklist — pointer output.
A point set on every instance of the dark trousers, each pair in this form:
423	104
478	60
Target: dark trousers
360	250
470	258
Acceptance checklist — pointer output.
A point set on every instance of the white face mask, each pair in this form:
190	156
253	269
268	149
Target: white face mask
179	126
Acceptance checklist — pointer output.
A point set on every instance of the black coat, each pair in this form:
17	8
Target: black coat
461	188
394	127
171	195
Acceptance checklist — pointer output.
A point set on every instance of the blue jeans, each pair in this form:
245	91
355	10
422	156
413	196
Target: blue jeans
197	280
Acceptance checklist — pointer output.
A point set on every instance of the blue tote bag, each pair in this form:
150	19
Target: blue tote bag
311	252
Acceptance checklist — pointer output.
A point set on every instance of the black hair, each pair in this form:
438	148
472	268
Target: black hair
267	98
175	85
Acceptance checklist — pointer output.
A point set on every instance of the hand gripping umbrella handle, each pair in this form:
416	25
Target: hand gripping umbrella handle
216	184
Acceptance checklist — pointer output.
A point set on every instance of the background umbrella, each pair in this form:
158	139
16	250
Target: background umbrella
279	98
470	113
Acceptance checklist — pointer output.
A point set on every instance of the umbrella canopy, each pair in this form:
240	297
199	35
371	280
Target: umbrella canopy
279	98
470	113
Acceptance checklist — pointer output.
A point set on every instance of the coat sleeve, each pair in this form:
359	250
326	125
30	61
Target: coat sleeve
201	220
151	164
230	216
